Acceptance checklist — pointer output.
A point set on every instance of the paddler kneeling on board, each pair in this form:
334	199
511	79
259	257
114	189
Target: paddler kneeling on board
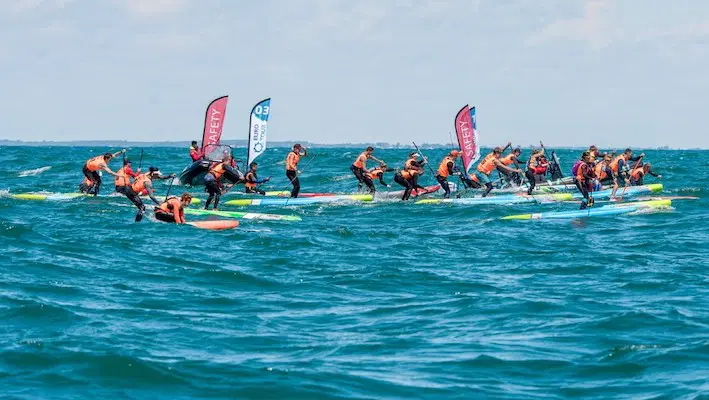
636	176
292	167
413	163
489	164
213	180
173	209
252	181
96	164
446	169
376	173
143	184
584	180
407	178
359	168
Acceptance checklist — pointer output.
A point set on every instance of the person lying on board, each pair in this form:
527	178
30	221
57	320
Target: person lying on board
604	173
96	164
252	181
213	180
407	178
195	153
359	167
584	180
173	209
512	158
489	164
376	173
637	175
445	169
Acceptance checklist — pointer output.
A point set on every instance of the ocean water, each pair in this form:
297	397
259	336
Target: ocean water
370	301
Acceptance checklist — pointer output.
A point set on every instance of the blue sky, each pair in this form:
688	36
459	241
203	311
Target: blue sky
613	73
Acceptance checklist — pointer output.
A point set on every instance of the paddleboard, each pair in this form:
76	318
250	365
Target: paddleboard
244	215
217	225
298	200
71	196
629	192
613	209
506	199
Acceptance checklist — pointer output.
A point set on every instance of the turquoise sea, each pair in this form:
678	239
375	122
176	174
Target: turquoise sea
369	301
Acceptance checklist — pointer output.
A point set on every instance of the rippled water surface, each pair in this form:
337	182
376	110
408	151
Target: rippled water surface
382	300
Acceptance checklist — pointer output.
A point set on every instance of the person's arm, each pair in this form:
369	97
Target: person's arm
637	158
651	172
108	170
262	181
114	155
503	166
163	177
381	179
305	152
150	190
179	216
131	173
376	159
451	167
509	144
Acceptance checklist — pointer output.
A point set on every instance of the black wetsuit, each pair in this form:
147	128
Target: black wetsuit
128	191
293	178
583	186
94	177
444	180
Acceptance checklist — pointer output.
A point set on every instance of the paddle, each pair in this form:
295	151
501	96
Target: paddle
627	182
140	163
301	170
426	160
169	188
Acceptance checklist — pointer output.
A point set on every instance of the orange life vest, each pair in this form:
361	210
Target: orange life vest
95	163
409	163
217	170
374	174
600	171
580	172
292	161
171	205
122	179
508	159
409	173
637	174
361	161
614	164
487	165
250	180
443	168
139	184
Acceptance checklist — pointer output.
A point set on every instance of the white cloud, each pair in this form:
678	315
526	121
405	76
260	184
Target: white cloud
594	27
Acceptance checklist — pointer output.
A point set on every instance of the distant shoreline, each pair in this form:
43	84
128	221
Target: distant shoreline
274	144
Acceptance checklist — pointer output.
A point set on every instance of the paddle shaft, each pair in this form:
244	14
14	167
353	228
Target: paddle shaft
290	181
627	182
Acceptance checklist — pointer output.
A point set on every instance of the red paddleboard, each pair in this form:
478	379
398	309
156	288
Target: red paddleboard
429	189
215	225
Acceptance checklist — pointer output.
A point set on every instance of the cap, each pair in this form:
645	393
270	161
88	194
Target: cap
154	169
413	154
126	161
297	146
455	153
